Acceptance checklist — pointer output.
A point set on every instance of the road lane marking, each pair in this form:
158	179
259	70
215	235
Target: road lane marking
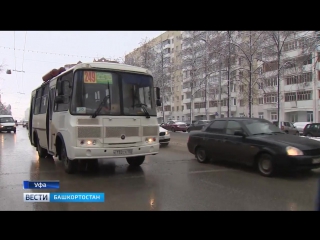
213	170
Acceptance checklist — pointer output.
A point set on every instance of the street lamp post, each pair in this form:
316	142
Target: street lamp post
9	71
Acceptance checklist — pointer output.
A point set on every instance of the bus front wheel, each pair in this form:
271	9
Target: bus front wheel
135	161
42	153
70	166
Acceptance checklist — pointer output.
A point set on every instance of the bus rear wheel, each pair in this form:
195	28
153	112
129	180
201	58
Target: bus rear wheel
135	161
70	166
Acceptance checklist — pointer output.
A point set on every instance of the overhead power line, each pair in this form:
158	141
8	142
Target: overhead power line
50	53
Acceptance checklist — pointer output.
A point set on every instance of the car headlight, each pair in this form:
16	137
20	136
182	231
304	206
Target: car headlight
1	126
167	132
292	151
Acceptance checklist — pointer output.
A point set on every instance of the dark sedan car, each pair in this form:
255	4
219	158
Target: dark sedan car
197	125
255	142
312	130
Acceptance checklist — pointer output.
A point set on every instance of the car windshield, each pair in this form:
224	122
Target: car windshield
6	120
256	127
120	93
179	123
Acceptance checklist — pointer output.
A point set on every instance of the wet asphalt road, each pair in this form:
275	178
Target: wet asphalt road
171	180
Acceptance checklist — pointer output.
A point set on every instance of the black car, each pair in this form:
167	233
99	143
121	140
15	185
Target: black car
255	142
197	125
312	130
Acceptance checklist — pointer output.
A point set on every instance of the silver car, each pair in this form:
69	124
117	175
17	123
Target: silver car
300	126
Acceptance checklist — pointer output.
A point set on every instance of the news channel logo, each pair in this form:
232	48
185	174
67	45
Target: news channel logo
57	197
63	197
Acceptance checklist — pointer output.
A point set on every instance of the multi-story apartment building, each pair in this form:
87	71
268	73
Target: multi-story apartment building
166	46
299	84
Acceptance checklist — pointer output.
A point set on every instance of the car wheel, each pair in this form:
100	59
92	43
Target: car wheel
173	129
201	155
136	161
265	165
70	166
309	135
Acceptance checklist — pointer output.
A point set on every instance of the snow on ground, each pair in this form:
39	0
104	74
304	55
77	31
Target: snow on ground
313	138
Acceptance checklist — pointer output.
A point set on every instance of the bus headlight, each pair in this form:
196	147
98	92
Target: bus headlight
88	142
150	140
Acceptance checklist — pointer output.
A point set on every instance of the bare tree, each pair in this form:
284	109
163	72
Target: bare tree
192	65
163	71
246	46
143	56
275	57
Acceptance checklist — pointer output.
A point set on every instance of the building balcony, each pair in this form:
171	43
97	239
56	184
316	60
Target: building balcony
232	109
298	105
186	100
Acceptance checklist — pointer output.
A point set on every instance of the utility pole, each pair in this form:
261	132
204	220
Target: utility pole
206	76
219	106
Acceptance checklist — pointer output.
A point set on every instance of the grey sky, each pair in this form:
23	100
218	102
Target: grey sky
89	45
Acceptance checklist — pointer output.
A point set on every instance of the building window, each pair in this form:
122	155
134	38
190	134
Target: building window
182	96
261	115
271	98
309	116
302	78
172	109
270	82
177	108
274	116
182	118
241	114
234	101
294	118
304	95
260	100
213	104
182	108
200	105
178	117
167	108
290	97
188	105
241	103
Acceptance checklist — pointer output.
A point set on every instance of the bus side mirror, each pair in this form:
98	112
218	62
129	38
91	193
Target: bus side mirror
158	101
59	99
60	86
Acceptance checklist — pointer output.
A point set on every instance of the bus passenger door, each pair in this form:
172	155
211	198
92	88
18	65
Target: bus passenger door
51	128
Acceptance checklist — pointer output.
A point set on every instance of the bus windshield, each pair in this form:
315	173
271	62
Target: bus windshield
121	93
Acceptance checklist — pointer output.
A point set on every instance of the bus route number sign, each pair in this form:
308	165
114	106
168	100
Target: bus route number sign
97	77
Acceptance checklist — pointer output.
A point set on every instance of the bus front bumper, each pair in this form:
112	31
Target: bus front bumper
94	153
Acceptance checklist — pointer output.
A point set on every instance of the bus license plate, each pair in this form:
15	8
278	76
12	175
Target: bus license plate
316	160
122	152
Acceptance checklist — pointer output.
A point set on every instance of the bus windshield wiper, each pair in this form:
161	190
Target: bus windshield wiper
143	106
99	107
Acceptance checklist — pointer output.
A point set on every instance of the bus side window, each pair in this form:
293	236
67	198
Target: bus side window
44	99
38	101
66	81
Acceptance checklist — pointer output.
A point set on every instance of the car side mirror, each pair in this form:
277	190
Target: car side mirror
239	133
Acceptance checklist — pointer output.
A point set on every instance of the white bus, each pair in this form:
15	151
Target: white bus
96	110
